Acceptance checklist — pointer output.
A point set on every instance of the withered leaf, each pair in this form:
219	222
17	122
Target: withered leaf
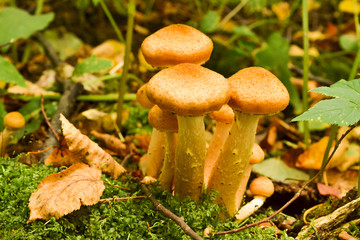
89	151
61	156
62	193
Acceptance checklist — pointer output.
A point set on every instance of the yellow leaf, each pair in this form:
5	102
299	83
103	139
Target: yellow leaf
64	192
281	10
296	51
347	6
89	151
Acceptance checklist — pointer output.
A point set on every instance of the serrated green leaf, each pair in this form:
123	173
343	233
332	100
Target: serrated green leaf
333	111
276	169
91	65
10	74
17	23
210	22
349	90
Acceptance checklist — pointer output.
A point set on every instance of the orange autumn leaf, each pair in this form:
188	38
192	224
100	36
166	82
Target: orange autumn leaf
62	193
89	151
111	142
61	156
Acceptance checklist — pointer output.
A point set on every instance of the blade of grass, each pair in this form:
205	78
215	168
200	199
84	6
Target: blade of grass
305	19
112	21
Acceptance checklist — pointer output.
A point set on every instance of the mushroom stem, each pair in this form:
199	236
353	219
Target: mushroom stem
153	162
233	160
251	207
242	188
5	137
167	172
189	157
217	142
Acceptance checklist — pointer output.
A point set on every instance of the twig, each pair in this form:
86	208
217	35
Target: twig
233	12
191	233
127	157
296	196
47	120
115	186
121	199
323	81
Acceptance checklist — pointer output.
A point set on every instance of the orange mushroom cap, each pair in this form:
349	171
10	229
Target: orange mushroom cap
14	120
262	186
255	90
224	115
188	89
162	120
142	97
258	154
176	44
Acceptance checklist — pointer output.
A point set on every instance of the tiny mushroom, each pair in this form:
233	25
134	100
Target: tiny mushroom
151	163
257	156
177	43
13	121
224	119
190	91
165	121
254	92
261	188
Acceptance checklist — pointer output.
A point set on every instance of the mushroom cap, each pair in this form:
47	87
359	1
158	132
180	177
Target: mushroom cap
142	97
188	90
255	90
257	155
162	120
224	115
261	186
14	120
176	44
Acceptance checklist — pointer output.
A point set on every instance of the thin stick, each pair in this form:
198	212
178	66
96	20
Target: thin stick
233	12
122	199
170	215
116	186
296	196
322	81
47	120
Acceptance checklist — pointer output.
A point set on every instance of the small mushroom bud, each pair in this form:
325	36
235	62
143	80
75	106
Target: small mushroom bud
261	188
13	121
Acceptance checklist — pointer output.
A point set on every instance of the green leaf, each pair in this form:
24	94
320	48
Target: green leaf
10	74
91	65
244	31
17	23
349	90
333	111
348	42
66	44
274	55
276	169
210	22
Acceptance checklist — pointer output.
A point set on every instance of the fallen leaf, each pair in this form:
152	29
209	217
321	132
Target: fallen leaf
347	6
281	10
328	191
64	192
343	181
352	156
313	156
31	90
89	151
61	156
111	142
47	79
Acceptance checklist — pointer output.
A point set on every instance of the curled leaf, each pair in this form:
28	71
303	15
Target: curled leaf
89	151
62	193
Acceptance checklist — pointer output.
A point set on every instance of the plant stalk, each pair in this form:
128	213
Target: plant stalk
112	21
123	79
305	17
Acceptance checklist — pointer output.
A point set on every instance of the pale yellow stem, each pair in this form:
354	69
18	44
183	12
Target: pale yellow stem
217	142
167	171
189	157
233	160
5	137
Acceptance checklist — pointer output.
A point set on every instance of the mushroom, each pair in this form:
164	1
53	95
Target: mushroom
224	118
190	91
151	164
257	156
254	92
165	121
261	188
176	44
13	121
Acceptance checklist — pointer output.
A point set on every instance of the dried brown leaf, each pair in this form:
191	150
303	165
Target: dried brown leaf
111	142
62	193
89	151
61	156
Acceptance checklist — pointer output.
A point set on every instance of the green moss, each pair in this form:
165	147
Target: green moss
114	220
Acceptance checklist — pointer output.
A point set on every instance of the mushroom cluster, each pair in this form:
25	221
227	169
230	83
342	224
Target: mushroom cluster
182	93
